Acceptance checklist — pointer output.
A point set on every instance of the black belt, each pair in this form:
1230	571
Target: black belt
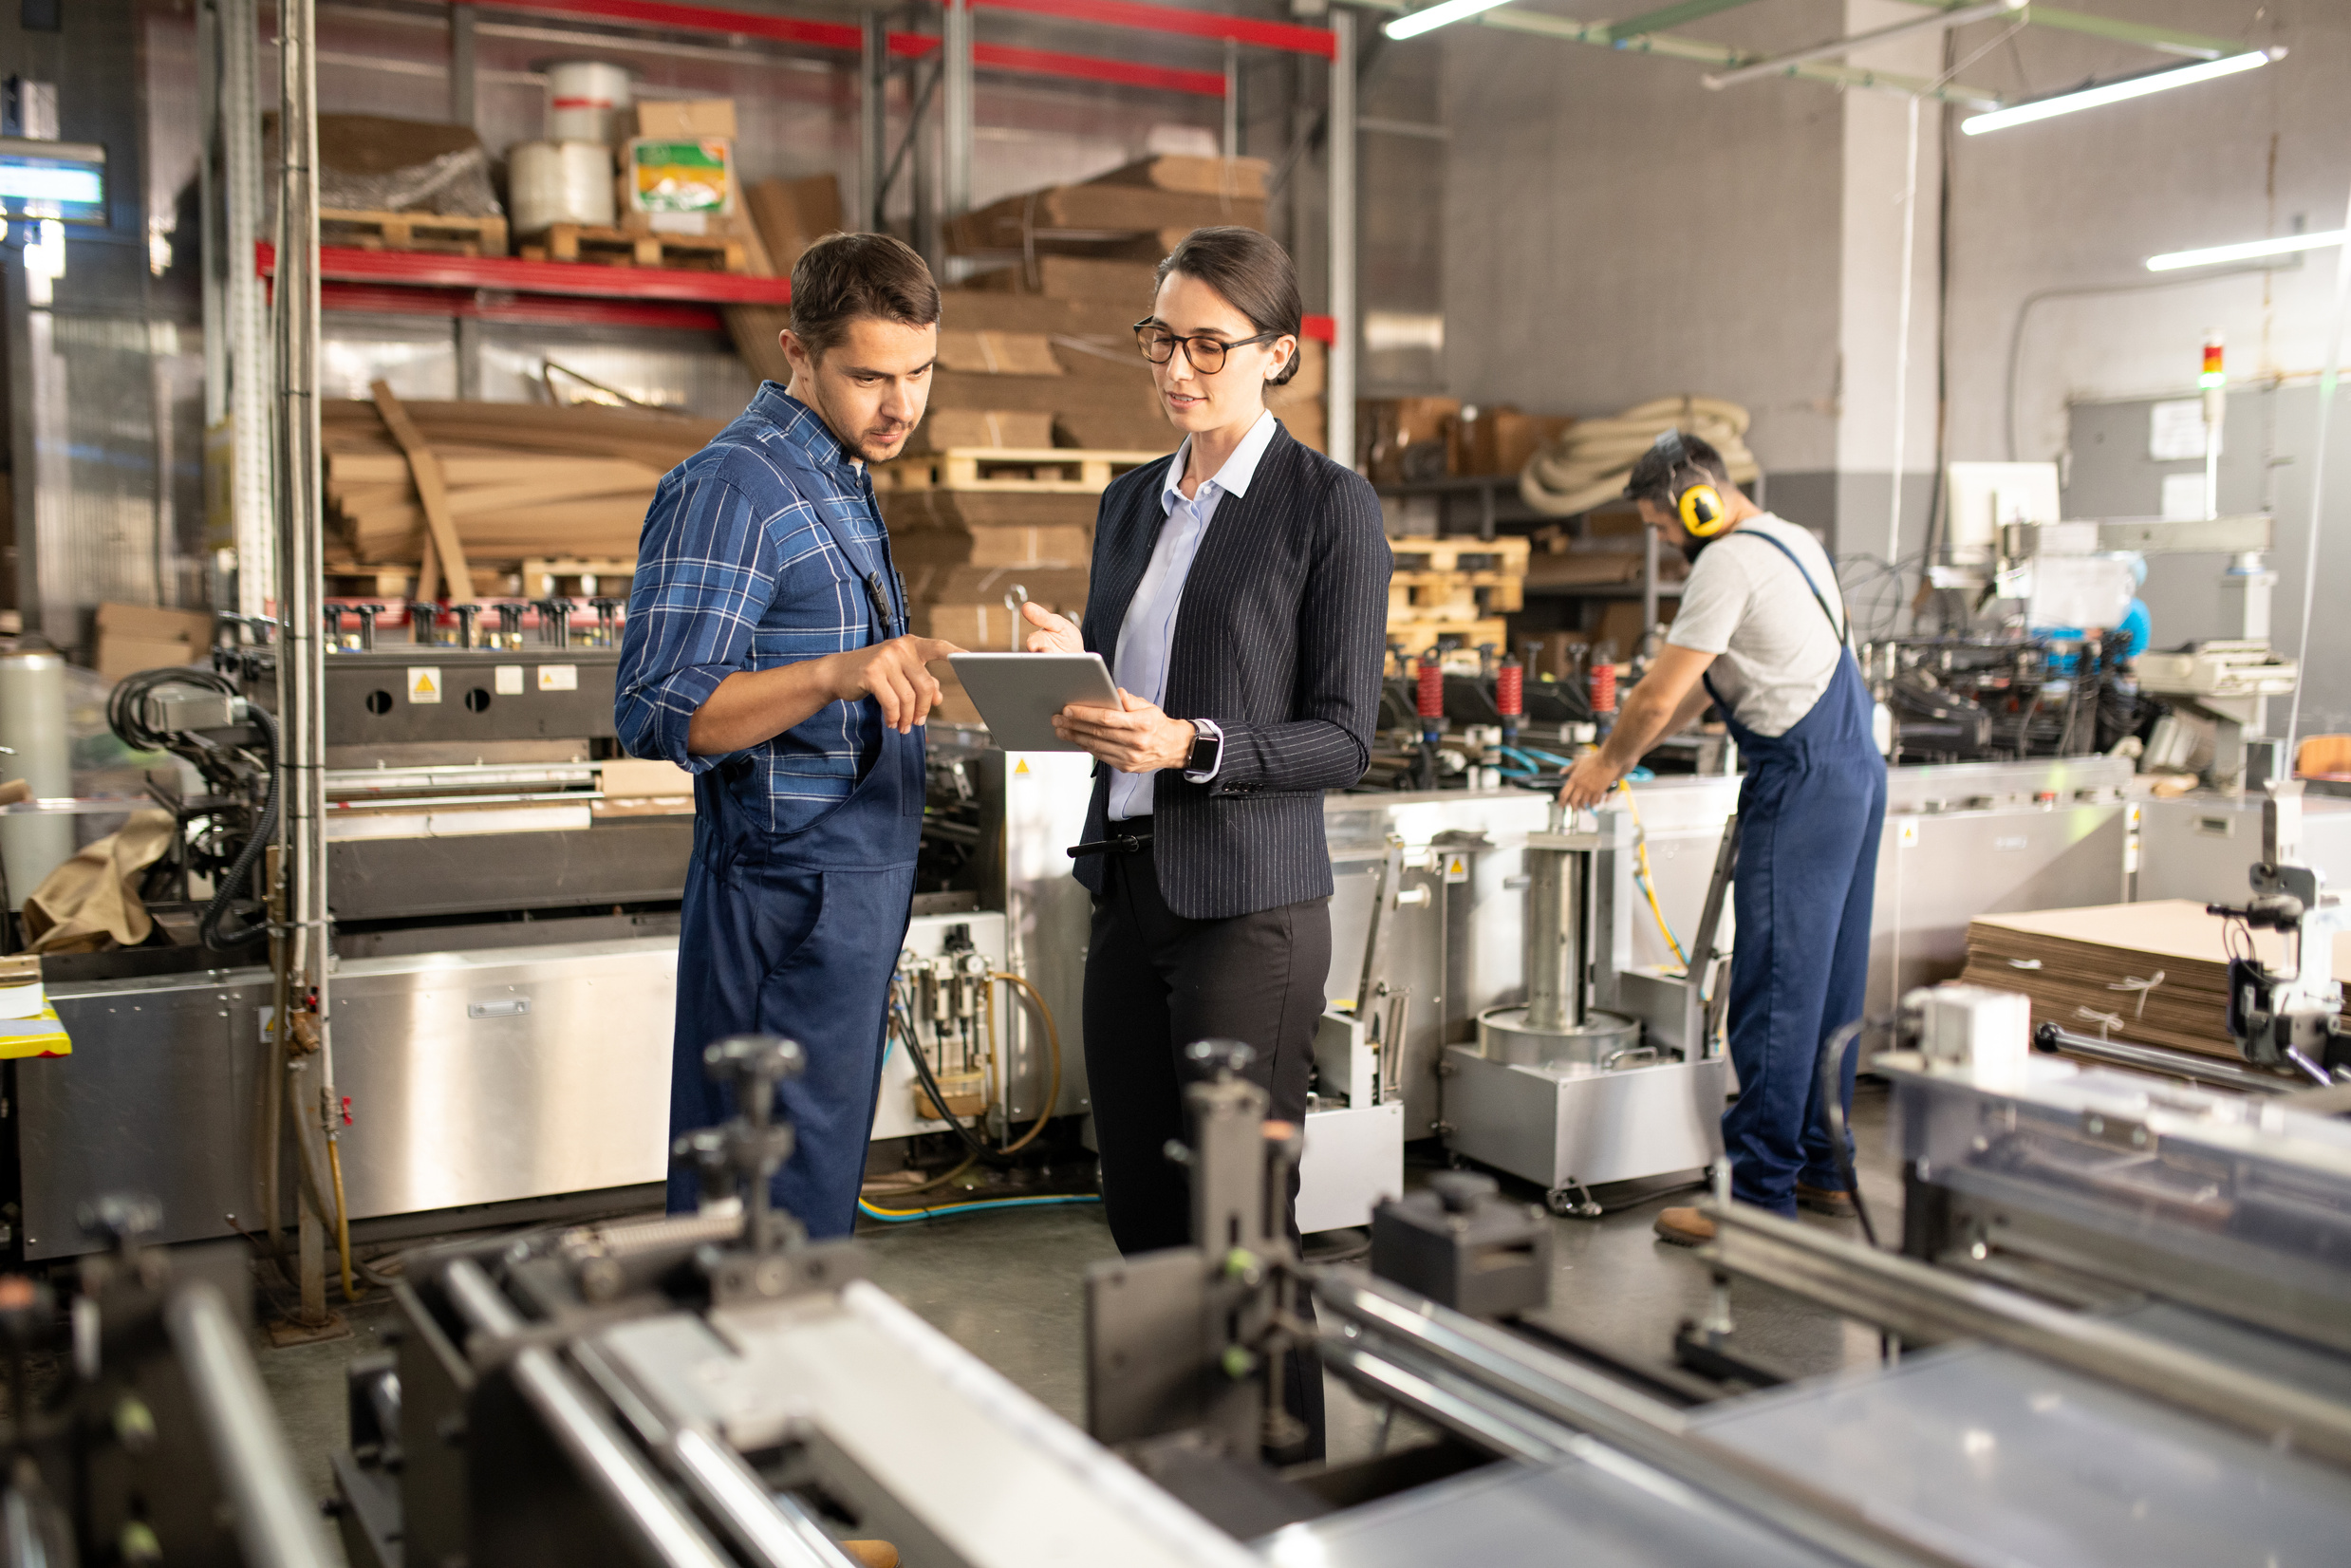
1138	838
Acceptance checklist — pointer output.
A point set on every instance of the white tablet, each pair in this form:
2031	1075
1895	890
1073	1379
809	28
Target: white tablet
1018	693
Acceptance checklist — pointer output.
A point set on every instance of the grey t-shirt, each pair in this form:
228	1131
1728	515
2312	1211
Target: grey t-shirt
1749	604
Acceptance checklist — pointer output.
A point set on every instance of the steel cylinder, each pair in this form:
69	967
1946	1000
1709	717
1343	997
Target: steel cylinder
1556	939
32	726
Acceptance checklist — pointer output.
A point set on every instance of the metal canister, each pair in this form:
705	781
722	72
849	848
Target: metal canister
32	726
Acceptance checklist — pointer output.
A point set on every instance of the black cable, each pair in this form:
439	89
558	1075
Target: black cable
1830	1076
902	1023
212	928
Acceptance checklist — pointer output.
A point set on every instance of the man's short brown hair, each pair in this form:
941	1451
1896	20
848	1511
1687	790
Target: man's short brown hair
843	277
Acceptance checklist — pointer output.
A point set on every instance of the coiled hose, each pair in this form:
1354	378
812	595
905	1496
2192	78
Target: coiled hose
901	1024
1587	465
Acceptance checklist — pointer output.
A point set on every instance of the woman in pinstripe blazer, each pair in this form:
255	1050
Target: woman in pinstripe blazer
1239	592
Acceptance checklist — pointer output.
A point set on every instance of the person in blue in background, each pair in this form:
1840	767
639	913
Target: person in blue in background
2136	627
766	653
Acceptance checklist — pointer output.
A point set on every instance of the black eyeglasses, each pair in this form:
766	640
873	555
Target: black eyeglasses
1205	353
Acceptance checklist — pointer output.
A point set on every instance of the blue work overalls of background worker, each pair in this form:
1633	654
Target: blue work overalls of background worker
765	652
1761	634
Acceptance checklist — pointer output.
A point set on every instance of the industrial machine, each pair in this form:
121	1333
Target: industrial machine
138	1429
1563	1091
2070	1378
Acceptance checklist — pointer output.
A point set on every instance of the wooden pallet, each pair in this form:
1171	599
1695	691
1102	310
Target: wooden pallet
1418	637
439	232
1453	595
578	242
1506	555
543	579
1030	471
355	580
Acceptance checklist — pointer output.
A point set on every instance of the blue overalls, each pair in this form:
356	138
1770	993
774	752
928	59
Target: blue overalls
1810	811
796	934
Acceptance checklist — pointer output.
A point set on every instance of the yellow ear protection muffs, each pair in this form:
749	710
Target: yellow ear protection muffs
1699	505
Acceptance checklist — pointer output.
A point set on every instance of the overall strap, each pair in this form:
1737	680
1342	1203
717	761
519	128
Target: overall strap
876	581
1842	632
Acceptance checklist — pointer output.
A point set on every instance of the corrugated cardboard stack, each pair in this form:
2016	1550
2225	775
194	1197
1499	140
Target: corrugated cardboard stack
523	483
2150	974
1137	212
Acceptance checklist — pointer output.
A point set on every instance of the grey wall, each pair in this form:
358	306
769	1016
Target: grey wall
2080	202
1615	232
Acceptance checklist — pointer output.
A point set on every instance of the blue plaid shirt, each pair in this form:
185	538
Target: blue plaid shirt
763	549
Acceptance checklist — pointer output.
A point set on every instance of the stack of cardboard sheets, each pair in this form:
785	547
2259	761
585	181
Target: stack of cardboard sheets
2149	974
523	480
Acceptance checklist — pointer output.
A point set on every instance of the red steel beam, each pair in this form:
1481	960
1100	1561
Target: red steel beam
1076	67
1085	68
1171	19
412	268
685	18
534	309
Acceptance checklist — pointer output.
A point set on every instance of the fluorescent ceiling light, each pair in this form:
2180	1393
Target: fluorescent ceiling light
1783	64
2117	92
1432	17
2171	261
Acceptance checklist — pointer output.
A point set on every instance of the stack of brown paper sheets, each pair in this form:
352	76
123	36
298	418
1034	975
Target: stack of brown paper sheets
2149	974
524	480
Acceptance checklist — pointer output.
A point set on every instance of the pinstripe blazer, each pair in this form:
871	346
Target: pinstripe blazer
1281	638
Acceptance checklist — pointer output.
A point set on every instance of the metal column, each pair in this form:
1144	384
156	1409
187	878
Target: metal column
1340	151
873	118
249	484
302	738
1232	98
461	64
958	129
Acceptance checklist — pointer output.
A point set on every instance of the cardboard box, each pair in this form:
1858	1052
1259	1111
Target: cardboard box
1518	436
633	778
692	118
1620	623
119	656
1407	438
157	623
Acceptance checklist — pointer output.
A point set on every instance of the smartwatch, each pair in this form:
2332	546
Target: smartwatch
1207	750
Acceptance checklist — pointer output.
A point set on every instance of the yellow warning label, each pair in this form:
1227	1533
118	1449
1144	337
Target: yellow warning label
1456	868
423	683
1022	766
559	677
1908	837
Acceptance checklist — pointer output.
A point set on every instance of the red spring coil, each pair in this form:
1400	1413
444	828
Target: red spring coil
1429	699
1510	690
1603	688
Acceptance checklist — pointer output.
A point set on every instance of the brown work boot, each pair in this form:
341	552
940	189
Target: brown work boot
1684	1227
1833	1201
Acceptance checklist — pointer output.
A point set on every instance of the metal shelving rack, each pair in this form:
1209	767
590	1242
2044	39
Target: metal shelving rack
241	378
1497	502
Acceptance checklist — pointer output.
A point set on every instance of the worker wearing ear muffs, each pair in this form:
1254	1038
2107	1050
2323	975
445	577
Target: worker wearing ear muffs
1762	635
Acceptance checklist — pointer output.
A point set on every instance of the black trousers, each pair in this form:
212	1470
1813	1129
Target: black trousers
1155	982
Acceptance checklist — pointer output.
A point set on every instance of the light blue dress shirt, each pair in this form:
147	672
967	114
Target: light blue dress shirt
1141	667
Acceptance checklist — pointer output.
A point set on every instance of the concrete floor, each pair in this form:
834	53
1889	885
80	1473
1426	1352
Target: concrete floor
1008	1287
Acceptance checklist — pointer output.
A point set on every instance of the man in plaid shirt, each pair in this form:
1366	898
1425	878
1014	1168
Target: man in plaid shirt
766	653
